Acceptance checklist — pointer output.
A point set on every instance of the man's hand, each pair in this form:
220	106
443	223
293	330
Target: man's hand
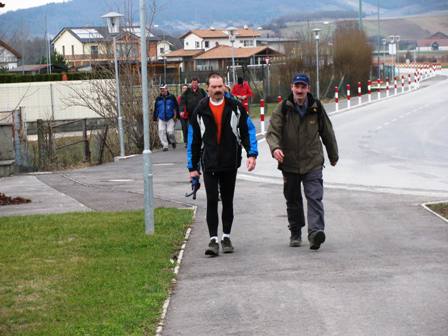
251	163
333	163
278	155
194	173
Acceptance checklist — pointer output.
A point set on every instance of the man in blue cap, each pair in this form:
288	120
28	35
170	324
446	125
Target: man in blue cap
297	128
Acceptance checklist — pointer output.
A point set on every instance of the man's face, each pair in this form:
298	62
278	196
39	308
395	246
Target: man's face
163	91
216	88
300	90
184	88
194	85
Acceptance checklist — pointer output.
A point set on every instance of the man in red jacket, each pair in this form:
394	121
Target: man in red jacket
242	92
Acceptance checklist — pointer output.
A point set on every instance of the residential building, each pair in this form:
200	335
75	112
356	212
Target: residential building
82	46
9	57
435	42
205	39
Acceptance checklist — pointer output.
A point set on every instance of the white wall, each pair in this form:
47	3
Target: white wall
190	42
35	100
239	42
67	40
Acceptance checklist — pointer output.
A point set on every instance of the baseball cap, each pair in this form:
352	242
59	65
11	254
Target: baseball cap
163	86
301	78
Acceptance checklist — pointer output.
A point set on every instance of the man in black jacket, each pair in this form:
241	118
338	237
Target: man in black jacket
218	127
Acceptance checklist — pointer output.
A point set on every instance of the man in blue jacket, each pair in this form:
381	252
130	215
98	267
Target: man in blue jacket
218	129
166	110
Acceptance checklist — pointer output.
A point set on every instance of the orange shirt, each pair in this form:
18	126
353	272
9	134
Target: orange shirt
217	111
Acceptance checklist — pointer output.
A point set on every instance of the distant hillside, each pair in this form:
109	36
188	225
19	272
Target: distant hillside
180	15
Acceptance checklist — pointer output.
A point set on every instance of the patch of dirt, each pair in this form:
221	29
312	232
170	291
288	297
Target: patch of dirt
6	200
441	209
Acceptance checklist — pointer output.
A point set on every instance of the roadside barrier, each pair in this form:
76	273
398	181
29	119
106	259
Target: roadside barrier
262	116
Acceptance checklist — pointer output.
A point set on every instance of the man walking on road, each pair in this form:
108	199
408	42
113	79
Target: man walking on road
242	91
218	128
166	110
294	136
191	97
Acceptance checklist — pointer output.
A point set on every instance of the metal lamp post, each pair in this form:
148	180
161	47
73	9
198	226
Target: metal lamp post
231	32
113	26
394	40
147	165
317	37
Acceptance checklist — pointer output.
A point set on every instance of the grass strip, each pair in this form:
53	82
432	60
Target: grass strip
86	273
440	208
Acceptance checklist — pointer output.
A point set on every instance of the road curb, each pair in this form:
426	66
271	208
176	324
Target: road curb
425	206
180	256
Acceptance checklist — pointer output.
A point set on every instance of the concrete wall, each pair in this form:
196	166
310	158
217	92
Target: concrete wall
35	99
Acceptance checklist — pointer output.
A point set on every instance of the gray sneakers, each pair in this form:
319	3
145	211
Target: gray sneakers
212	249
295	241
316	238
226	245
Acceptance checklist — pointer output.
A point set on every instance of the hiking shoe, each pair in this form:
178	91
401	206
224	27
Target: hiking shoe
226	245
316	238
165	149
212	249
295	241
174	145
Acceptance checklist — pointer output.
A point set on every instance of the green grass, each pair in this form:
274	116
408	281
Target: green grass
440	208
254	110
86	273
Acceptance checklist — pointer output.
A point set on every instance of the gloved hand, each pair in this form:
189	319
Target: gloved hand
195	185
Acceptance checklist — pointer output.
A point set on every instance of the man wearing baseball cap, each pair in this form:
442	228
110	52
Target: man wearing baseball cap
165	112
298	127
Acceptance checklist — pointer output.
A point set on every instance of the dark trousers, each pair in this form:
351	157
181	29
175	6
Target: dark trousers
225	183
313	189
184	123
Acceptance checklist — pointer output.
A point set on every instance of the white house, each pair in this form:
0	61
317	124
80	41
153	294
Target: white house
9	57
206	39
82	46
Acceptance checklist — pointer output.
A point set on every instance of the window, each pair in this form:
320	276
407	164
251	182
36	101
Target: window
248	43
63	50
206	44
94	50
73	50
162	51
197	44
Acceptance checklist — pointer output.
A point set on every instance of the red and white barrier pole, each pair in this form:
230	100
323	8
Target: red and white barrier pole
336	98
395	86
369	90
262	116
415	80
402	83
359	93
379	88
387	86
409	82
348	96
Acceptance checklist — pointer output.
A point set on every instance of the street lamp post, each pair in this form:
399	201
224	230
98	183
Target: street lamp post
113	26
231	32
147	165
384	42
317	37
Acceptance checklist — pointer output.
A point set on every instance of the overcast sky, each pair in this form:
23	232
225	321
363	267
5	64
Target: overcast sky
19	4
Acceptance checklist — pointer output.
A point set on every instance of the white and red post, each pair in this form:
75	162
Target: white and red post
369	90
395	86
359	93
409	82
387	86
402	83
379	88
336	97
262	116
348	96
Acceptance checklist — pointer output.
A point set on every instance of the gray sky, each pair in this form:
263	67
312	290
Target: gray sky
20	4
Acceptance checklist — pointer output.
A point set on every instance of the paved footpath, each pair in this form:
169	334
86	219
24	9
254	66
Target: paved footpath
382	271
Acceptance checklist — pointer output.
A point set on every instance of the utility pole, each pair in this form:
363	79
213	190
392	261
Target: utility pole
360	14
379	37
147	165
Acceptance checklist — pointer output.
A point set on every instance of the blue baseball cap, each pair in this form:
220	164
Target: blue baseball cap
301	78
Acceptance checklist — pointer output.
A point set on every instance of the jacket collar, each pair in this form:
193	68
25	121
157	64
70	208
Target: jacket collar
205	108
312	104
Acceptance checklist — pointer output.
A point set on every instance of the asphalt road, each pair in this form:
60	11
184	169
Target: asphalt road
382	271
